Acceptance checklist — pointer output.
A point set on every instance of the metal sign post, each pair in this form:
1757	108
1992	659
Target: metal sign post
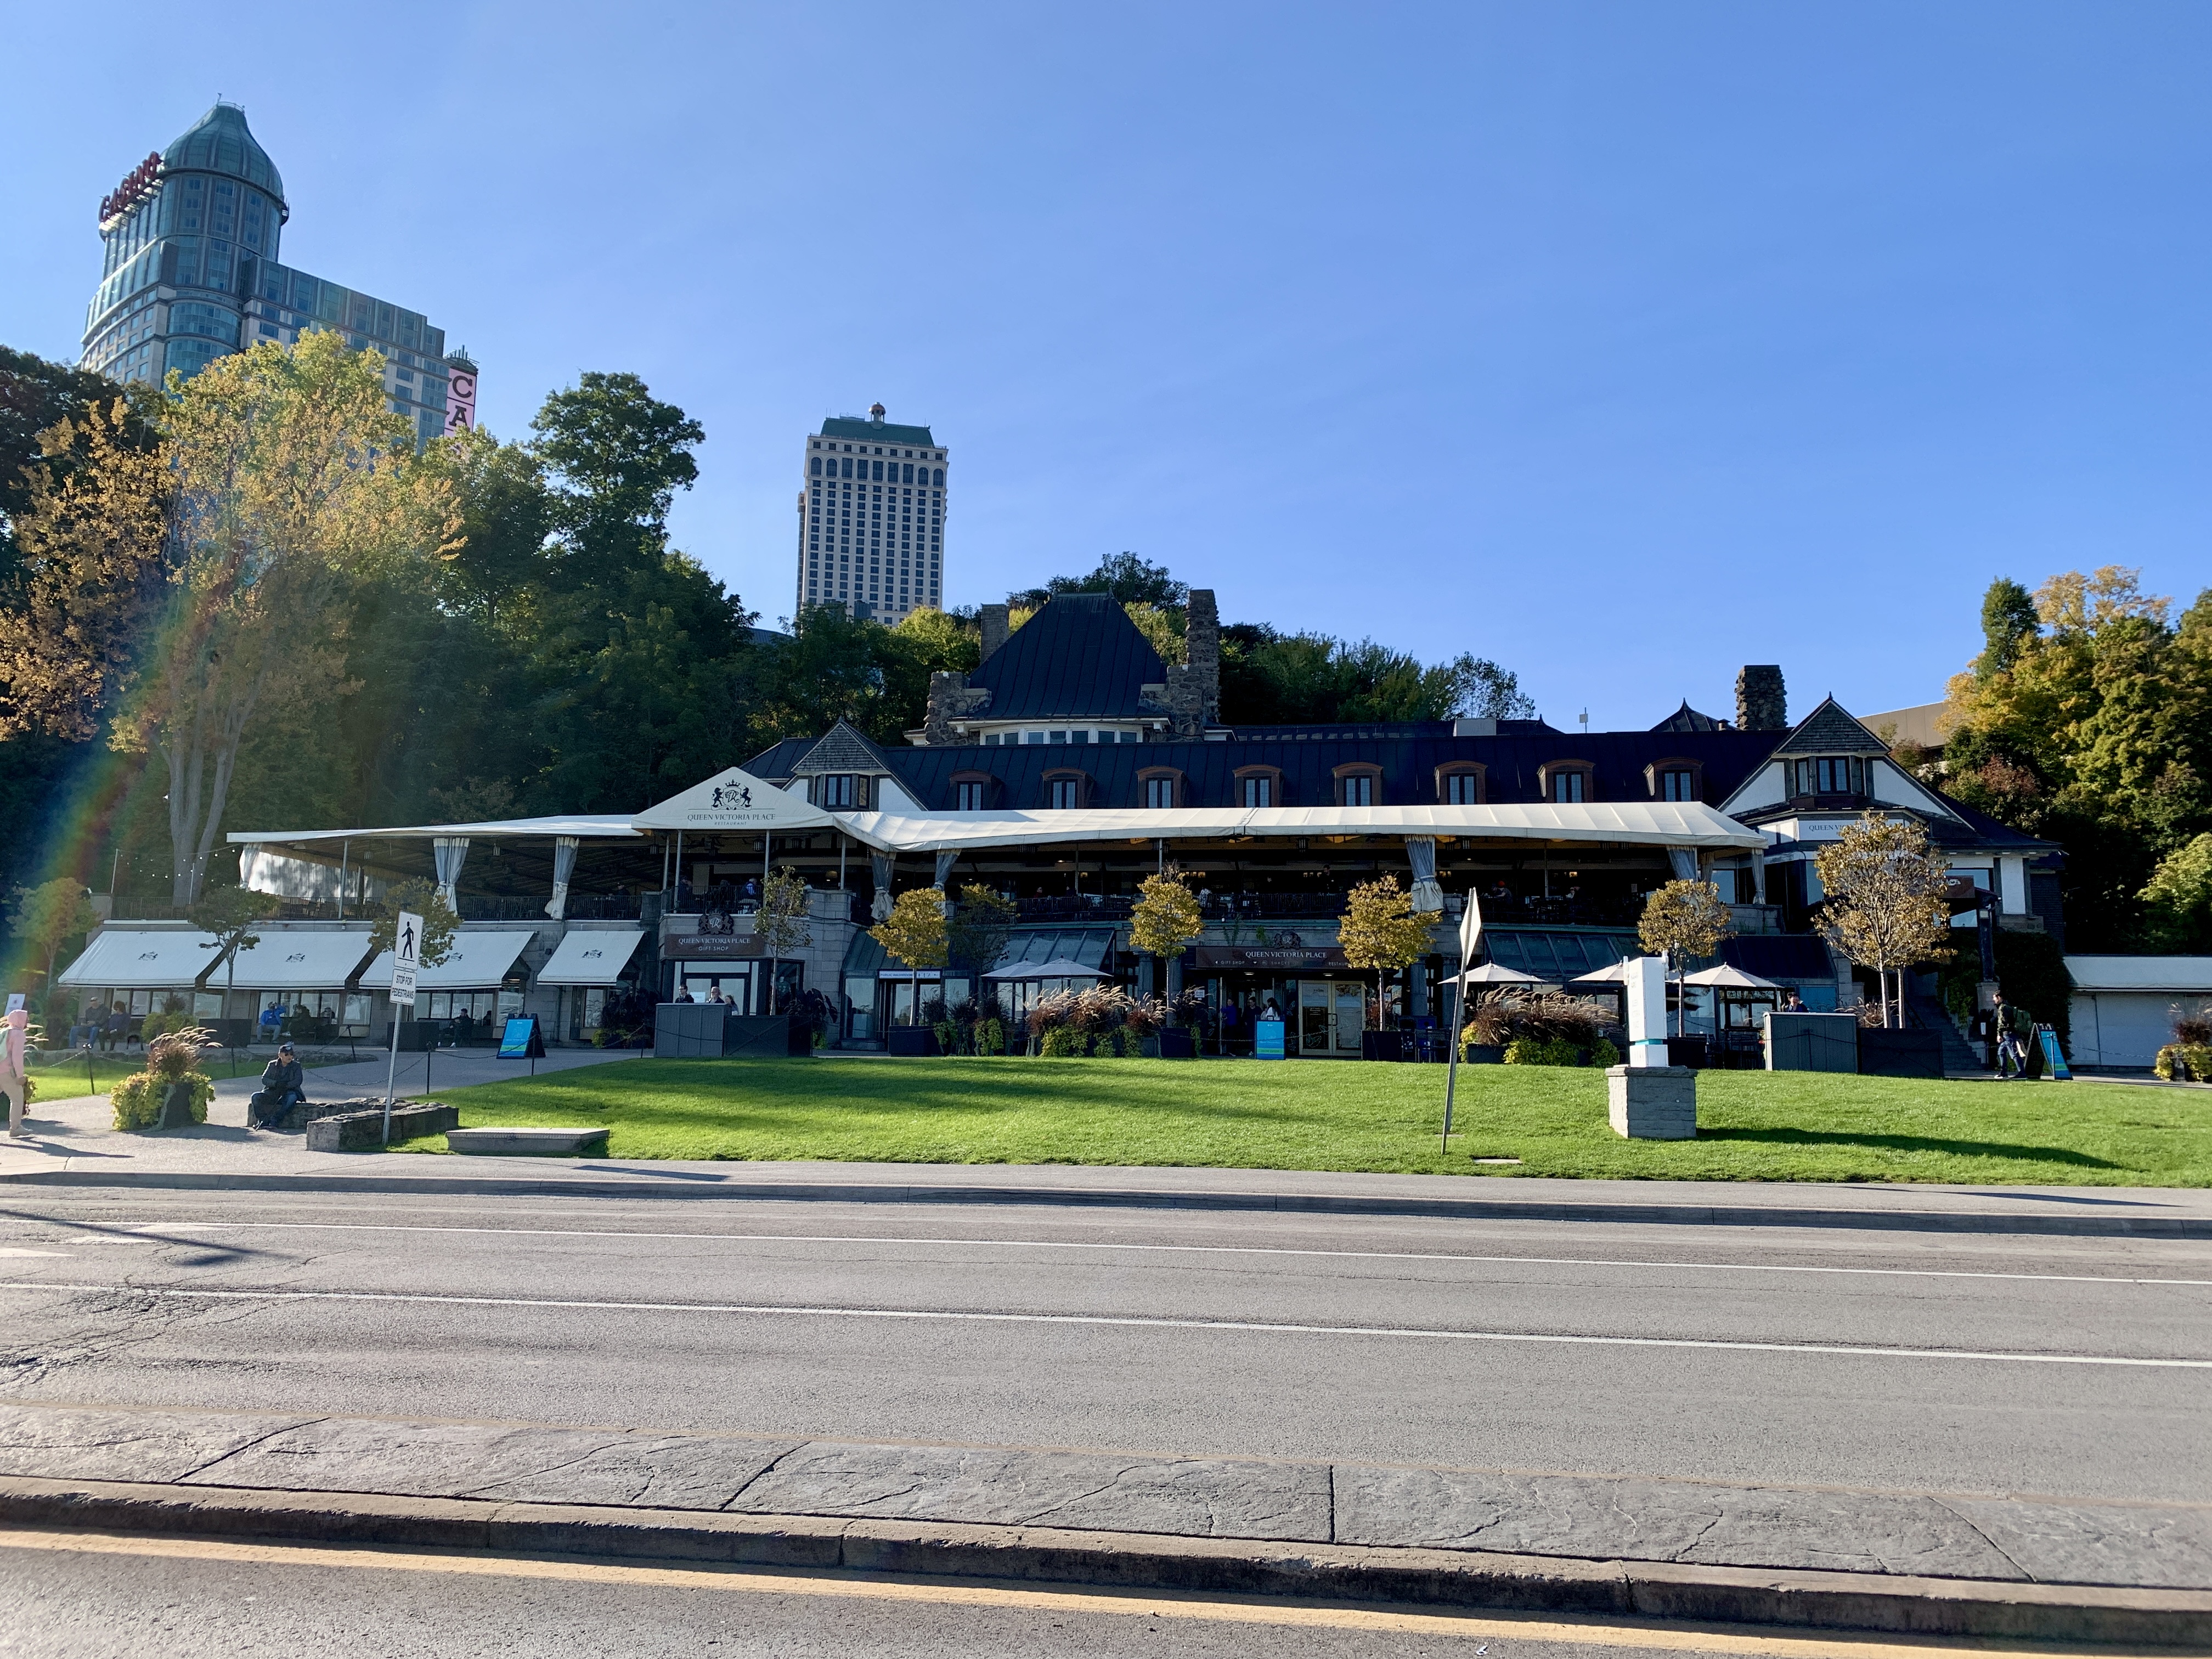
406	957
1470	946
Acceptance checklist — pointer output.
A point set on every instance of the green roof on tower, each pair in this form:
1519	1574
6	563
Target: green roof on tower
874	427
221	141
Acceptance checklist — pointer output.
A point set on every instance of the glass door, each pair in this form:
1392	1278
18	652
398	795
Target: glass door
1348	1013
1313	1017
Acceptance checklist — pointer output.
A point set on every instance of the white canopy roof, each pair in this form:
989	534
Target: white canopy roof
1656	823
297	959
585	826
1615	973
593	956
131	958
735	799
2185	974
480	960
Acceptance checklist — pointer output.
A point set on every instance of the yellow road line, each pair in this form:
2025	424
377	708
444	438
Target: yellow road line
973	1593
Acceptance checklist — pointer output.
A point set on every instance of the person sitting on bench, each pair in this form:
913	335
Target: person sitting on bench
283	1087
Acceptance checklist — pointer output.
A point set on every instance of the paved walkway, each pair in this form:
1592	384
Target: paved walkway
1981	1536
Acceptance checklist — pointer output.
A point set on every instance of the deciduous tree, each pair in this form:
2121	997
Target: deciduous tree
779	924
1886	903
1684	919
46	917
1165	918
1380	931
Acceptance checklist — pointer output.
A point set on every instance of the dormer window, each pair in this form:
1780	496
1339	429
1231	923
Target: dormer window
1566	783
1829	774
1676	779
845	792
1359	785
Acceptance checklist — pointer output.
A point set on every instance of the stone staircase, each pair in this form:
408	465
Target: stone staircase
1929	1014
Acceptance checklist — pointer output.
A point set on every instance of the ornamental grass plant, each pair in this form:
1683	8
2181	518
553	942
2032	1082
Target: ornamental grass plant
171	1058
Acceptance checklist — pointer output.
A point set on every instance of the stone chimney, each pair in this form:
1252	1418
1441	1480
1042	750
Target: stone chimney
951	699
995	628
1193	688
1761	703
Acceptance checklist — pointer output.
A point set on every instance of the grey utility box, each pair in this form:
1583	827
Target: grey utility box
1652	1102
1812	1043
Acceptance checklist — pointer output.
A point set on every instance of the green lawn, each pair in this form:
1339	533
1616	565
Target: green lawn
1756	1126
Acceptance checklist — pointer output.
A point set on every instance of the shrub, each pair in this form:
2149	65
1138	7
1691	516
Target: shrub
948	1036
1062	1041
1602	1053
1533	1051
990	1036
2184	1061
171	1057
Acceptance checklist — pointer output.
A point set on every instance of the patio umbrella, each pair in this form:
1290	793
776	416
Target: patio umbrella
1729	978
1063	968
1613	973
1491	973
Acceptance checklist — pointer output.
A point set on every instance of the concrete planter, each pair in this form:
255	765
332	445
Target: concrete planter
364	1131
1485	1053
911	1042
1652	1102
765	1036
1175	1043
1812	1043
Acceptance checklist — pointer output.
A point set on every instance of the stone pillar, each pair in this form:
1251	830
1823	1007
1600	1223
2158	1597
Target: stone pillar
1761	704
995	628
1652	1102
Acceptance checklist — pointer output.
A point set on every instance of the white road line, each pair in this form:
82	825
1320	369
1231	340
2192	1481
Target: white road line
1124	1321
1170	1249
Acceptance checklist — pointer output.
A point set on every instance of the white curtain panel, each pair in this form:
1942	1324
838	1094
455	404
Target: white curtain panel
880	863
1421	854
452	852
565	867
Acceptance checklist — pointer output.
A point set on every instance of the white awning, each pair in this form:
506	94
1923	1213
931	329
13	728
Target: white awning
478	961
121	958
590	957
297	959
2188	975
1651	824
585	826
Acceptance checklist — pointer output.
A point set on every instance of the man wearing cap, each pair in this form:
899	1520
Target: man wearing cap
283	1086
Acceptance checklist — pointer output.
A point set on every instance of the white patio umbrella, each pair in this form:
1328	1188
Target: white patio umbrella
1613	973
1729	978
1491	973
1063	968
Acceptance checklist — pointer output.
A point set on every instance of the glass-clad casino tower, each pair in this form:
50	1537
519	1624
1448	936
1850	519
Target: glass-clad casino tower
192	273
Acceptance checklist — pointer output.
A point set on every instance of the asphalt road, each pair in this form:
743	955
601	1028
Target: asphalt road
1934	1362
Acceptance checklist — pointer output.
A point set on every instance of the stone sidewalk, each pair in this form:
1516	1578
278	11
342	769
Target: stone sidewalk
1986	1537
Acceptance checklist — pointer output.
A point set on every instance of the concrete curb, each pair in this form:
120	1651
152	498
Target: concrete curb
1832	1600
1469	1209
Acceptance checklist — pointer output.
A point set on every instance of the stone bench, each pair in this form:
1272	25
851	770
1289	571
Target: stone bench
362	1130
529	1143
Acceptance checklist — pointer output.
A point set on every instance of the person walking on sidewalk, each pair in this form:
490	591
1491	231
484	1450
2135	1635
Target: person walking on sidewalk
2013	1024
15	1038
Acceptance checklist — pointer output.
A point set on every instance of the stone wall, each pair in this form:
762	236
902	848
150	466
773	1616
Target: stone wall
1192	694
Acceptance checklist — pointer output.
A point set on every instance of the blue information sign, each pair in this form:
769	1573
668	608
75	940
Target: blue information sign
519	1040
1267	1039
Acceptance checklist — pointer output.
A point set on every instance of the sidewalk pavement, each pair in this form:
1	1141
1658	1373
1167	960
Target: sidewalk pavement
74	1146
1987	1563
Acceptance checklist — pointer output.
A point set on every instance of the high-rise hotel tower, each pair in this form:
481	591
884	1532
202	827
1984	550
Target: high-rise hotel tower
191	274
872	518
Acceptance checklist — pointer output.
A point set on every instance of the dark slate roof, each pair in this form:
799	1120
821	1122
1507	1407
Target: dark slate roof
876	432
844	750
1078	658
1686	718
1089	946
1408	765
1829	730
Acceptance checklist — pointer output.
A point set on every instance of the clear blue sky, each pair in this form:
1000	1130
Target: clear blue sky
1623	343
